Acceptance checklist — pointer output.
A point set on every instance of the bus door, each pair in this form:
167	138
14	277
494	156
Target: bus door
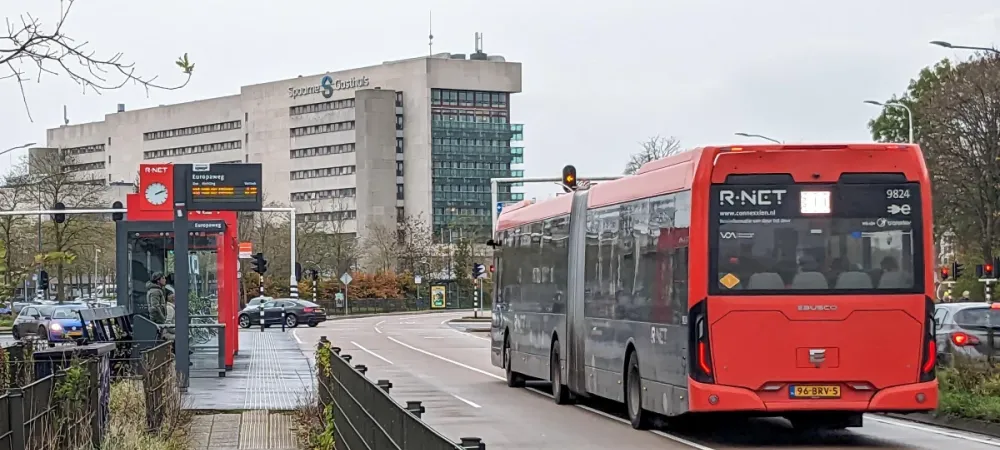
576	332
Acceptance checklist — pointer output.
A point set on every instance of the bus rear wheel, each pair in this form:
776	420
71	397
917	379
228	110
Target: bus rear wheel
639	417
514	379
560	392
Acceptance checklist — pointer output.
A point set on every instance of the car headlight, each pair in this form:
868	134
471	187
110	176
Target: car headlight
55	327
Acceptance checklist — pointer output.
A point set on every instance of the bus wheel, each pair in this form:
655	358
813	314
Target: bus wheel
639	417
514	379
560	392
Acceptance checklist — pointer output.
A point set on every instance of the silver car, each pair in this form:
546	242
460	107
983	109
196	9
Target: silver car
966	329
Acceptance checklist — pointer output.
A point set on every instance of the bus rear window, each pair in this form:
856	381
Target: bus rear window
811	238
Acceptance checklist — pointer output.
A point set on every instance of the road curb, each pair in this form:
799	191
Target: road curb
954	423
402	313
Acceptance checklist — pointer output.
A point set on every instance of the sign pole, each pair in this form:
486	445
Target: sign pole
181	276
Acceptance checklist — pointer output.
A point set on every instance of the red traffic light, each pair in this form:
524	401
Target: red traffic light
988	269
944	273
492	268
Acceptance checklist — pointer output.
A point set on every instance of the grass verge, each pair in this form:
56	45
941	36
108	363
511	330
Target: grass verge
970	391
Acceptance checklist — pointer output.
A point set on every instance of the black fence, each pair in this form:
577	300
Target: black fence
371	305
162	394
366	416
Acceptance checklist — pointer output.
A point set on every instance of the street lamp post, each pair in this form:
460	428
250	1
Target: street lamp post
965	47
759	136
16	148
909	112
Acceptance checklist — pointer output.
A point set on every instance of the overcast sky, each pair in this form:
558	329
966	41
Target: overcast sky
598	76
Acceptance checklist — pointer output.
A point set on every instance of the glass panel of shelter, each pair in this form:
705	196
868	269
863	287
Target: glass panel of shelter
153	252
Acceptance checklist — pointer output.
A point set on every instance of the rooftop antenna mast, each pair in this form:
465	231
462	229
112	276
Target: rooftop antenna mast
430	33
479	42
65	115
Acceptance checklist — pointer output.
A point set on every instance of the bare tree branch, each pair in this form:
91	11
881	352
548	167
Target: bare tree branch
29	46
656	147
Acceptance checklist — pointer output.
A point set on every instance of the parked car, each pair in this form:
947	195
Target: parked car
296	312
963	329
54	323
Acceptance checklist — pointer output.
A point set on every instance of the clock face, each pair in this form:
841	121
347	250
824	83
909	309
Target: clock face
156	194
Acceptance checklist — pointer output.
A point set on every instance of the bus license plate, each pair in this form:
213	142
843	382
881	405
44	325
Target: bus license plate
814	391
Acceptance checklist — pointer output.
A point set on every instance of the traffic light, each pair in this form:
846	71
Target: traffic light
59	217
945	273
569	178
956	269
259	264
993	269
493	268
116	216
43	281
478	271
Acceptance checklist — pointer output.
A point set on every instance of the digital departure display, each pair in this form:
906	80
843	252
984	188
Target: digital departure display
225	187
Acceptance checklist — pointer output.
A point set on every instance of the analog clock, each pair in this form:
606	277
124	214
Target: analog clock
156	194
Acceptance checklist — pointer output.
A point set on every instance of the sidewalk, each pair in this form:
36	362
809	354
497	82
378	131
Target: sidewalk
271	377
250	430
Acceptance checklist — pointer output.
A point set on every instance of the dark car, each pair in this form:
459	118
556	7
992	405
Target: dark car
964	329
54	323
296	312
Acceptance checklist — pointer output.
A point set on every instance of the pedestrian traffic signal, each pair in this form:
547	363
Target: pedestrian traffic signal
478	271
945	273
59	217
956	269
259	264
493	268
43	280
569	178
116	216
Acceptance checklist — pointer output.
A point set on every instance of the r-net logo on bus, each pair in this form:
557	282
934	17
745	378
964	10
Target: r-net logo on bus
756	197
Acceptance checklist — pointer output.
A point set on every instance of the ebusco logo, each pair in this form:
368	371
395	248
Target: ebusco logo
328	85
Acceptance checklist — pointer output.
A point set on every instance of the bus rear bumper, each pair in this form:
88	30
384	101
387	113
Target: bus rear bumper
718	398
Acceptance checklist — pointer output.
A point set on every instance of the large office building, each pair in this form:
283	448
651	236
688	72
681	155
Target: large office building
418	137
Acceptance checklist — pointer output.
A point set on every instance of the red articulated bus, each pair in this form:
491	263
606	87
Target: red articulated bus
770	280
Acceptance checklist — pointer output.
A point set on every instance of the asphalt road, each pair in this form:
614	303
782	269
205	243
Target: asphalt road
450	371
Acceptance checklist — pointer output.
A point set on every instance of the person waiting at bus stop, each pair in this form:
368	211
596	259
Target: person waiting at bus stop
156	301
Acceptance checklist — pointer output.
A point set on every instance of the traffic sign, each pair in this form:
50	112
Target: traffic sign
499	208
224	187
346	278
246	250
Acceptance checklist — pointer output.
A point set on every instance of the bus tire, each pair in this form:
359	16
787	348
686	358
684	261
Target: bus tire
560	392
639	417
514	379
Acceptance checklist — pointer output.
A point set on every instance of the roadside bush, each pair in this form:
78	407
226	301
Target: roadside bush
127	428
970	391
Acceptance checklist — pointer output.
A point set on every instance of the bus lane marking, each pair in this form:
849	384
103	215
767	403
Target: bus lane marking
662	434
927	429
371	352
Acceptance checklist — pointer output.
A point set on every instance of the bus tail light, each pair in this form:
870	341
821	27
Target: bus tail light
929	344
700	351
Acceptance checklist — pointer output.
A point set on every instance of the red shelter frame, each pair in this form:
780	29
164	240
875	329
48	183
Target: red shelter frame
140	209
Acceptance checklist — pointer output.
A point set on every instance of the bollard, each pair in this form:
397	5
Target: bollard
385	385
471	443
415	408
361	368
346	358
282	318
261	319
336	350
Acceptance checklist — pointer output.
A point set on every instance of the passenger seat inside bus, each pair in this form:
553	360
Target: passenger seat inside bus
810	280
766	281
854	280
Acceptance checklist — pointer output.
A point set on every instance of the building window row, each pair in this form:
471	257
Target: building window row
399	192
193	150
84	167
331	216
320	107
324	194
470	165
462	211
323	128
322	150
469	115
399	168
188	131
83	150
462	142
322	173
501	188
399	145
399	121
478	99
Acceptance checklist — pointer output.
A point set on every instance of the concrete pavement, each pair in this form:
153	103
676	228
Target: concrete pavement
450	371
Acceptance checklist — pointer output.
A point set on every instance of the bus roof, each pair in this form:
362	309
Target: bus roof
671	174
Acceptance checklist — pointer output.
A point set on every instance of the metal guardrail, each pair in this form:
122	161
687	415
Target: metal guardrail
367	417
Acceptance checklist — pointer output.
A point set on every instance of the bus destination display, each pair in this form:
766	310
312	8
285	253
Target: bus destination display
225	187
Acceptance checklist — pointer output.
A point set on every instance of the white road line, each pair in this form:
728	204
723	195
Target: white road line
659	433
371	352
447	320
926	429
296	336
433	337
467	402
442	358
466	333
377	330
